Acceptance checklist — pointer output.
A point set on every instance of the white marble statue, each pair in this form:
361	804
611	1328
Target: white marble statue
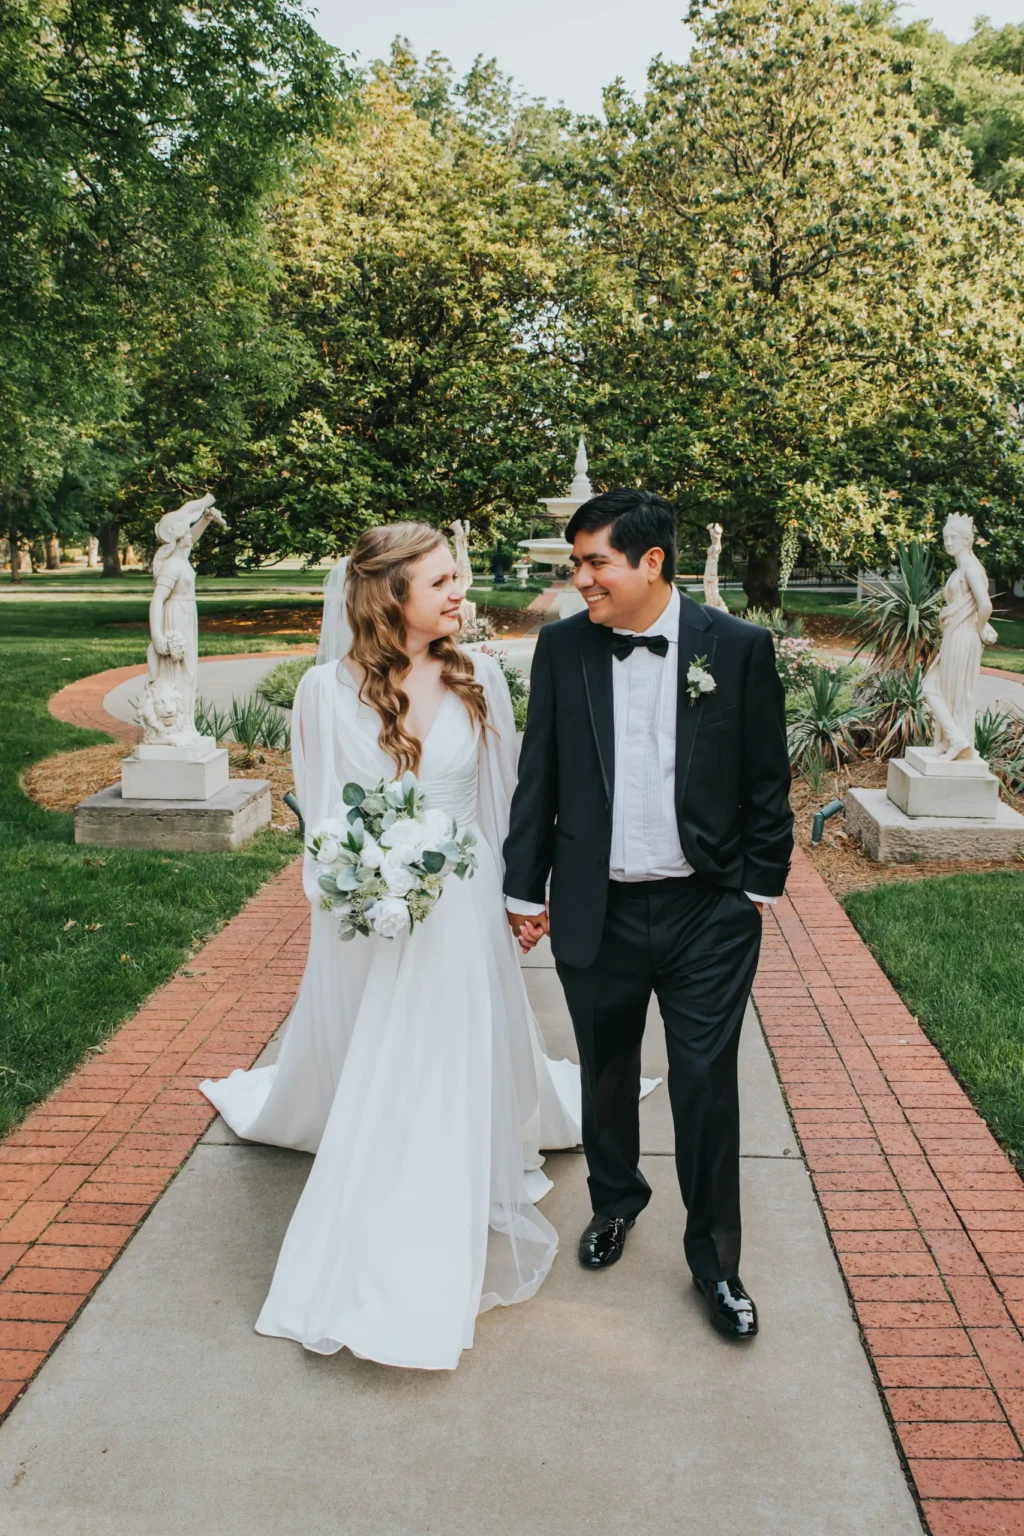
168	707
463	568
952	677
712	597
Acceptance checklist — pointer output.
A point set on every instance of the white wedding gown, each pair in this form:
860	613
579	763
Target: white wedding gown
413	1068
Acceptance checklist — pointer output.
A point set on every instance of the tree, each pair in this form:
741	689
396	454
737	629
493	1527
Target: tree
799	308
419	263
975	90
138	146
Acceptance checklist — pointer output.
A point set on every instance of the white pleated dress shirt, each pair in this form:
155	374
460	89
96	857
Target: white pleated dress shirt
645	833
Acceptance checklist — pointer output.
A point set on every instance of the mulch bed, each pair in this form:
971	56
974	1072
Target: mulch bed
301	620
59	783
839	859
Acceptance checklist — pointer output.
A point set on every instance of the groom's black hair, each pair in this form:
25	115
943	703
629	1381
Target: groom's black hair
637	521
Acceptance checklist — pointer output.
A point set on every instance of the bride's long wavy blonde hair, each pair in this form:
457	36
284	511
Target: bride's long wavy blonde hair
377	588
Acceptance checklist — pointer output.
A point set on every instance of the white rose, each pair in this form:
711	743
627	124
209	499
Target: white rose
399	879
406	837
370	853
389	917
437	826
329	850
707	683
335	826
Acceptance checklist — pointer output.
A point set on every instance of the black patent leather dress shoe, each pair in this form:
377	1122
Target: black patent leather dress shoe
729	1307
603	1240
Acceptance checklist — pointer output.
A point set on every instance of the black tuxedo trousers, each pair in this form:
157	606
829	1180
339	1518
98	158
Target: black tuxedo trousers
695	947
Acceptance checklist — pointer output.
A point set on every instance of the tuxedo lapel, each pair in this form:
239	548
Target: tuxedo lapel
596	656
695	639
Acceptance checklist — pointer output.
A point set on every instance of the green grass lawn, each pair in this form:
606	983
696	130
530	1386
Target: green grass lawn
955	950
86	933
509	595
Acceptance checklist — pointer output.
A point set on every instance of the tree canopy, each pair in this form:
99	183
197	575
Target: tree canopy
138	146
783	288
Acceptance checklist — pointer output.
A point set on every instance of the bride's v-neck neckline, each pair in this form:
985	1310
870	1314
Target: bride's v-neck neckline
343	671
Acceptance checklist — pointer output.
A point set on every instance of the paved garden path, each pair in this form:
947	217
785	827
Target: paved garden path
606	1402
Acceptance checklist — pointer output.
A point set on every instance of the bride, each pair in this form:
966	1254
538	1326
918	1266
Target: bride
412	1067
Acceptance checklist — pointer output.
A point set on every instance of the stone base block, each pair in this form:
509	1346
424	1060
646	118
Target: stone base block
225	821
171	773
890	837
930	762
931	794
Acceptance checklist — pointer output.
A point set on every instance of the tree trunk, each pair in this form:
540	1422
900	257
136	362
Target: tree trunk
38	555
92	554
761	583
128	558
108	549
52	552
15	551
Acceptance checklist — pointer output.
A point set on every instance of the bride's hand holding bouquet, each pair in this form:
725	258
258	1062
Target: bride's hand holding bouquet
384	864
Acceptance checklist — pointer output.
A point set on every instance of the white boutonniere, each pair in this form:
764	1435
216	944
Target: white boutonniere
699	680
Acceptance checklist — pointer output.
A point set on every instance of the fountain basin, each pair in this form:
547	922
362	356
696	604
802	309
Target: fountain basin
547	552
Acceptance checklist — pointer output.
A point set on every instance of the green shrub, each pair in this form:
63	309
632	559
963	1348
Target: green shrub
280	683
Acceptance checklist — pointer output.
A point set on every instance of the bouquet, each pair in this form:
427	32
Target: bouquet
383	865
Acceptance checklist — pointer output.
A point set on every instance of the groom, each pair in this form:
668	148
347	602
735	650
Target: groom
654	791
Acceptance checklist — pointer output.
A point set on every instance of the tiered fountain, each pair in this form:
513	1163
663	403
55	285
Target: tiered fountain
554	552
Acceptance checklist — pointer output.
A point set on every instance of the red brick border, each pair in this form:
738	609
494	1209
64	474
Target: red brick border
925	1211
81	703
87	1166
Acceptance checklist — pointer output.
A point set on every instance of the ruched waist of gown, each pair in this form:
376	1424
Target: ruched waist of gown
459	800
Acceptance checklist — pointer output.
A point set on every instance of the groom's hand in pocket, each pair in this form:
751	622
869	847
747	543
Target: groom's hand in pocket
528	930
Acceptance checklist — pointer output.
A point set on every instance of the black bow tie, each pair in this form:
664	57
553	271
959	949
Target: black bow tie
625	645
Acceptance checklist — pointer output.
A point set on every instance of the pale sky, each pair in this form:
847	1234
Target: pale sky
565	50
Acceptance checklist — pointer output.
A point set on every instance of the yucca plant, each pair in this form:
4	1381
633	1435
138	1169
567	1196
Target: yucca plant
821	719
255	723
813	769
899	617
211	721
999	739
892	708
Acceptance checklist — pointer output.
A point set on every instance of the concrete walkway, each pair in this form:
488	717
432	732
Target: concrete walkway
222	678
605	1403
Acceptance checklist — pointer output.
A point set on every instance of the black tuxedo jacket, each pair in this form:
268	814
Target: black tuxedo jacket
732	771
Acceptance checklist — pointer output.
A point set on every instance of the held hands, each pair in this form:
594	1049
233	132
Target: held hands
528	930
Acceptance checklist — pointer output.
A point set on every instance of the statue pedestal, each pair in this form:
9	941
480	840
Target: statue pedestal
923	784
889	836
218	825
175	773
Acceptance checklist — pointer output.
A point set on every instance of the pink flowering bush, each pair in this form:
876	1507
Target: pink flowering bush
796	662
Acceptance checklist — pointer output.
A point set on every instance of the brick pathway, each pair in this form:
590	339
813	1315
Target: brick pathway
88	1165
925	1212
81	703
